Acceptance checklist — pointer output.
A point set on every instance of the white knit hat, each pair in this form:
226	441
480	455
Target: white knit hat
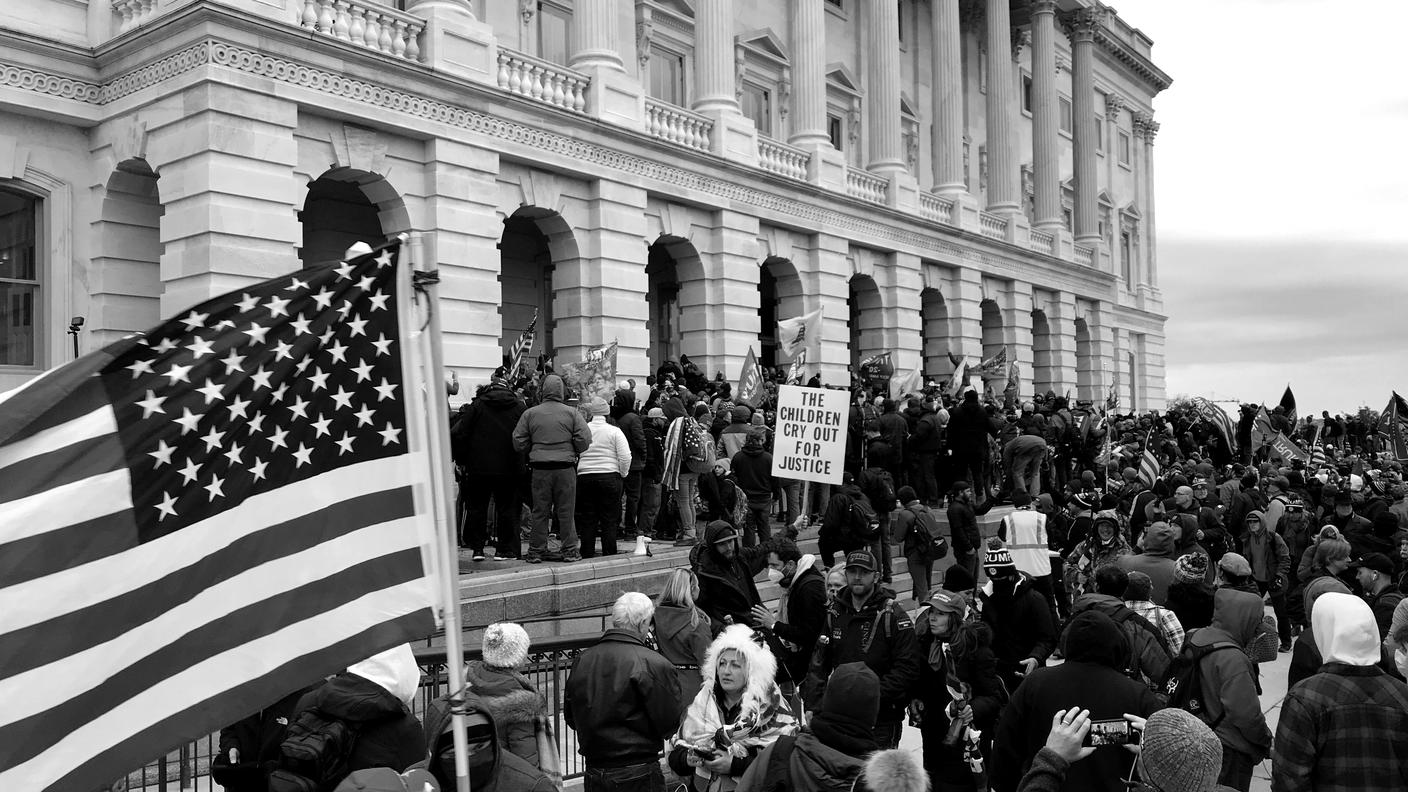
505	645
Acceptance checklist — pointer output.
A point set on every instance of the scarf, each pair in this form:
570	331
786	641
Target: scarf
673	456
757	726
804	563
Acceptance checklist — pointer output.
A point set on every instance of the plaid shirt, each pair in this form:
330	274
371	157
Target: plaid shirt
1164	619
1343	730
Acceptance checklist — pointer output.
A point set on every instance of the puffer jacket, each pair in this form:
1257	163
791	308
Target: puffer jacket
482	438
551	434
515	704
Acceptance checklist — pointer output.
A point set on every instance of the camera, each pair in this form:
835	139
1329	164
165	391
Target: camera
1112	732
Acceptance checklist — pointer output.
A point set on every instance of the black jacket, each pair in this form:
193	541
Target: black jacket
389	734
257	738
726	586
752	471
510	772
794	642
839	528
1021	625
977	669
481	440
623	415
963	528
893	653
969	429
623	700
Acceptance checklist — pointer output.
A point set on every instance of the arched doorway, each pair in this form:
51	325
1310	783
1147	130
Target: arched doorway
992	328
779	297
866	315
674	290
1085	362
933	318
345	206
127	269
1044	367
526	267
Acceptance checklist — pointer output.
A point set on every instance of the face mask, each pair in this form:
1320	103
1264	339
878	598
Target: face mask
774	575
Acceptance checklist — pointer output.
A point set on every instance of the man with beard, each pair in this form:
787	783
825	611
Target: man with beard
865	624
726	570
1020	617
801	612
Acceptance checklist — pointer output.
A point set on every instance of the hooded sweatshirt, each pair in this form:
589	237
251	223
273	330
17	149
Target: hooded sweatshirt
506	772
1156	561
482	439
829	753
551	434
376	695
1228	677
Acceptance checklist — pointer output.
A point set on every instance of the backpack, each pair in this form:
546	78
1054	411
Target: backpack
384	779
1149	652
699	454
314	754
863	521
879	486
928	535
1183	685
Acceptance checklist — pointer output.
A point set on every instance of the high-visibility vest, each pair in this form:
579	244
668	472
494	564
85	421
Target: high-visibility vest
1026	541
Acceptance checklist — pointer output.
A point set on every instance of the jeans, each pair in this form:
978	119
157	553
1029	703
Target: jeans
478	489
649	506
632	778
921	573
789	500
758	526
684	498
819	495
554	494
631	487
598	511
1025	471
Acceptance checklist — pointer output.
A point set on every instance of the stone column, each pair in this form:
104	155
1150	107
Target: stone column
454	41
809	74
825	277
462	240
1046	140
1016	303
965	312
734	135
1003	182
1151	274
901	329
1081	27
948	98
613	95
1060	318
205	231
730	296
883	88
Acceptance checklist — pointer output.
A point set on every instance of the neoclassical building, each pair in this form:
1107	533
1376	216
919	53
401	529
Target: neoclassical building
676	175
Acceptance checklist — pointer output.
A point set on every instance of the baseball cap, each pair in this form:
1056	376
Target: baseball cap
861	559
1375	561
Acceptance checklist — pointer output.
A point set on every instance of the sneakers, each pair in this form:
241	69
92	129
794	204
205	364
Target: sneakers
1285	646
533	558
478	555
566	558
686	541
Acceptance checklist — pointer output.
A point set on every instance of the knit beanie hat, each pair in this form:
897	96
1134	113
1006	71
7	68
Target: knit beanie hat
597	406
853	690
1139	587
1191	568
997	556
505	645
1179	753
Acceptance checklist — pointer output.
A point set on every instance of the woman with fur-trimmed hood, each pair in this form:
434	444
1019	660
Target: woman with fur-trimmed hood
738	712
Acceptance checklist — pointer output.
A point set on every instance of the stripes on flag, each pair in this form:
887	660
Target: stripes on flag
1149	467
196	522
1218	418
522	347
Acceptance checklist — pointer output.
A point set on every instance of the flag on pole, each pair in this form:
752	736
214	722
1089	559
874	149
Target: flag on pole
1317	457
1149	467
521	349
904	384
750	381
203	518
1014	384
1282	448
595	375
1393	426
797	371
877	368
1288	403
1112	399
960	378
1219	419
994	367
1262	431
797	333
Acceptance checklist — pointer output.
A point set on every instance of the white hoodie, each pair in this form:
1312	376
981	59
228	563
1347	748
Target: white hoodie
395	670
1345	630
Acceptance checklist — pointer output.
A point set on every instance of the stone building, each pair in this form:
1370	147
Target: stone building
676	175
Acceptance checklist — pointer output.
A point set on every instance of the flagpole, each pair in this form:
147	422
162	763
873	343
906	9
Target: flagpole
432	363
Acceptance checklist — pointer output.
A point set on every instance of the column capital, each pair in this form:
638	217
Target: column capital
1141	121
1082	23
1114	103
1150	130
1020	38
1043	7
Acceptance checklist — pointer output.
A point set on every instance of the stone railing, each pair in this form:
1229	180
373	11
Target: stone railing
677	125
365	23
866	185
542	81
783	159
1085	255
935	208
134	13
1044	242
993	226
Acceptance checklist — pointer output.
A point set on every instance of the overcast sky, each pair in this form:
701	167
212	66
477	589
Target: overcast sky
1281	172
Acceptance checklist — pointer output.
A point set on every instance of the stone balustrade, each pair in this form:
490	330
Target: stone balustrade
993	226
866	185
782	159
1085	255
365	23
542	81
1043	242
677	125
134	13
936	208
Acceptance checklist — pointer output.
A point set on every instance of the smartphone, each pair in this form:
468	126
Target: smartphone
1112	732
703	753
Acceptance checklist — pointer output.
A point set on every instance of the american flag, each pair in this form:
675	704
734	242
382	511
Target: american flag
521	349
1218	418
1149	467
199	520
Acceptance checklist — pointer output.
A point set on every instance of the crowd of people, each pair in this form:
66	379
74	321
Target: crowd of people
1109	631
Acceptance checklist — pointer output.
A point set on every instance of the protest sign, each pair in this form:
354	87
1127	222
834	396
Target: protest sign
810	440
595	375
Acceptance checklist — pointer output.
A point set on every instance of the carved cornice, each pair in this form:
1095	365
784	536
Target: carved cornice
1020	38
49	84
1135	62
1150	130
64	87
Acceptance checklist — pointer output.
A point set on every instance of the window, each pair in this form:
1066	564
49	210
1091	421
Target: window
1126	257
836	3
1064	110
1099	133
902	29
554	32
757	105
19	279
836	131
1124	147
1026	94
666	76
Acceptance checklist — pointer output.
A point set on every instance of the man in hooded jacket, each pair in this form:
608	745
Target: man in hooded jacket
1160	546
1090	678
1345	728
727	591
481	444
552	436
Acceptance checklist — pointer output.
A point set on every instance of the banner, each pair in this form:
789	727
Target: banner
750	381
877	368
904	384
960	378
810	440
1014	385
1282	447
1393	426
1288	403
793	335
1112	399
1218	418
595	375
1262	431
994	367
797	370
